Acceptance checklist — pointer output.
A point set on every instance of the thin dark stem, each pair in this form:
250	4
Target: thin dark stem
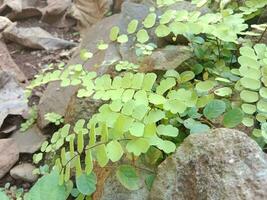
262	35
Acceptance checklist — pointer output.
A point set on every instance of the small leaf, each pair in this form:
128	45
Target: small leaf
138	146
122	38
167	130
214	109
142	36
162	31
86	184
114	32
137	129
114	151
101	155
150	20
222	92
233	118
132	26
128	177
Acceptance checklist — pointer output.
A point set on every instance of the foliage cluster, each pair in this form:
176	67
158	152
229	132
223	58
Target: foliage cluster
145	116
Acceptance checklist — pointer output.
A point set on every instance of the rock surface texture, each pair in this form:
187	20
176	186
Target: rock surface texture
24	172
9	155
223	164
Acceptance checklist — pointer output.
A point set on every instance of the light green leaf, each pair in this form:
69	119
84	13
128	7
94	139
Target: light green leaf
249	108
162	31
250	83
263	92
249	96
165	85
262	106
47	187
114	32
137	129
138	146
150	20
128	177
114	151
132	26
154	116
142	36
167	130
233	118
122	38
186	76
3	196
222	92
214	109
101	155
149	81
86	184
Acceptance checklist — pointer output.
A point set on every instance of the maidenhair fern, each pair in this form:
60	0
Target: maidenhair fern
148	112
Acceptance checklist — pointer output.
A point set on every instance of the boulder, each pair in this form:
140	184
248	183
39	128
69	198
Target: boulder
29	141
113	189
7	64
24	172
12	99
222	164
4	23
35	38
9	155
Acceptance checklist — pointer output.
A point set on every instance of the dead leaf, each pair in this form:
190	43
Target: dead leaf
88	12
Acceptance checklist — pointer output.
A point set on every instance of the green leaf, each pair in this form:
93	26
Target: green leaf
101	155
150	20
263	92
122	39
138	146
47	187
128	177
167	130
250	83
178	28
162	31
114	151
149	81
249	108
249	96
222	92
85	55
199	128
262	106
132	26
137	129
3	196
186	76
233	117
165	85
167	16
114	32
154	116
205	86
214	109
142	36
86	184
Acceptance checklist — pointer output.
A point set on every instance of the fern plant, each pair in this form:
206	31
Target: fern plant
149	112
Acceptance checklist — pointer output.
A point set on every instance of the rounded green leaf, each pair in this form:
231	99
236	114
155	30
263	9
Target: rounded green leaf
3	196
214	109
162	30
263	92
262	106
132	26
222	92
128	177
249	96
150	20
248	122
142	36
186	76
114	151
167	130
114	32
122	38
250	83
233	118
205	86
137	129
86	184
248	108
138	146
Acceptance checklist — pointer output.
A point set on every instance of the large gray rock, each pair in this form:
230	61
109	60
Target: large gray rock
29	141
223	164
24	172
114	190
35	38
9	155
